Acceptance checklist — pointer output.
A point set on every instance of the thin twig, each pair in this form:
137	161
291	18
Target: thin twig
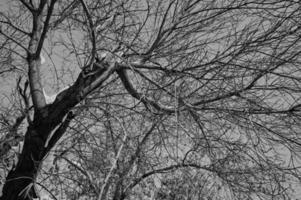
102	193
92	33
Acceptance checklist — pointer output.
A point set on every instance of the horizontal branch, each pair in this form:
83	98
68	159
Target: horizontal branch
163	170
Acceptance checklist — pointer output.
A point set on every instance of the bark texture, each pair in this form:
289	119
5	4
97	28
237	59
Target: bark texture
20	181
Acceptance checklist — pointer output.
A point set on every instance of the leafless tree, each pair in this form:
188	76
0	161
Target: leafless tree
178	99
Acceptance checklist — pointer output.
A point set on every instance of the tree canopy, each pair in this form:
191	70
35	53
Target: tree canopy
150	99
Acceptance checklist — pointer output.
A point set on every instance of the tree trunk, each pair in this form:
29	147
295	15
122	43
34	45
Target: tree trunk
19	183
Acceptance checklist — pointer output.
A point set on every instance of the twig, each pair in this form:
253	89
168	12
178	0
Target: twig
102	193
92	33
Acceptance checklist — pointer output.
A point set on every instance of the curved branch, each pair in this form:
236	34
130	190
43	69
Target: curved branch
163	170
132	91
9	23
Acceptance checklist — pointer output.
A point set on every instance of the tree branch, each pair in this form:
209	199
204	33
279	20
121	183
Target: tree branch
34	48
82	87
163	170
13	40
27	5
92	33
45	27
58	133
132	91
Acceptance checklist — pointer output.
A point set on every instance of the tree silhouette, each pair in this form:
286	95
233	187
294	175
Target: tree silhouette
161	100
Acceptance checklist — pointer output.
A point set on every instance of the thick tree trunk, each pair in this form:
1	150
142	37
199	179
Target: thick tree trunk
19	183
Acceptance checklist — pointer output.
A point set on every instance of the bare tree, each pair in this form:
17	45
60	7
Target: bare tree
174	99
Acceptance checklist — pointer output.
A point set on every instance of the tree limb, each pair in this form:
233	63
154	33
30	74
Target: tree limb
38	35
92	33
45	27
59	132
27	5
82	87
132	91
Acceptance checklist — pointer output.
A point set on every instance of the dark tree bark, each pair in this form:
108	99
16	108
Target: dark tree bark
19	184
20	180
39	137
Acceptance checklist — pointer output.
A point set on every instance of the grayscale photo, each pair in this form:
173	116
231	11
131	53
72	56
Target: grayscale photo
150	100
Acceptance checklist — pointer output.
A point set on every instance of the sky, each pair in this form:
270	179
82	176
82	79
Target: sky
49	68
